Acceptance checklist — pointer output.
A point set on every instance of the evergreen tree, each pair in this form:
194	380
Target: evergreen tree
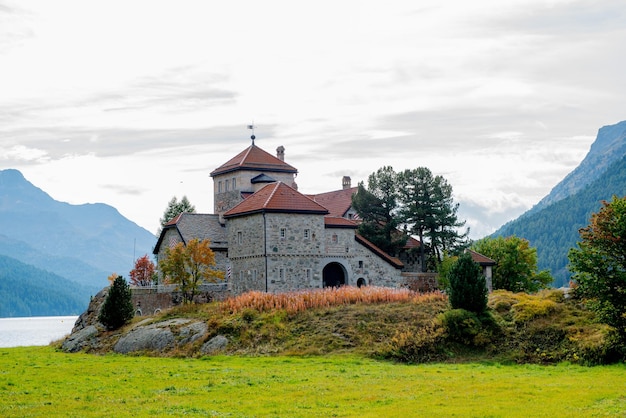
377	206
468	287
174	208
427	208
118	306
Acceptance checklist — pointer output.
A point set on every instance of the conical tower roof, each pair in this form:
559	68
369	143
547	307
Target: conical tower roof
254	158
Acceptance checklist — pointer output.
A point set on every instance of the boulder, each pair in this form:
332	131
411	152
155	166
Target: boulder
77	341
215	344
192	332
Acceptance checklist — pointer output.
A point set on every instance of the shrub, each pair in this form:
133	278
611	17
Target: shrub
468	289
467	328
118	306
417	345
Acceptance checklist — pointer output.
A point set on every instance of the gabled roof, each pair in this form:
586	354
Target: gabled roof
254	158
196	225
339	222
389	259
277	197
481	259
337	202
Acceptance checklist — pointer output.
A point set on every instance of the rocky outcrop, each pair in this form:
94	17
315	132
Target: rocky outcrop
80	340
161	336
90	316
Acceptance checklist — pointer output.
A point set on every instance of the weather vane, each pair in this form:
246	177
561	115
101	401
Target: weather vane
252	137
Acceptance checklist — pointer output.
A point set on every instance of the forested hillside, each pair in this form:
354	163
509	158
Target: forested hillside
553	230
28	291
82	244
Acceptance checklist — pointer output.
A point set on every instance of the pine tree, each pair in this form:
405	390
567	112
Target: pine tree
118	306
468	288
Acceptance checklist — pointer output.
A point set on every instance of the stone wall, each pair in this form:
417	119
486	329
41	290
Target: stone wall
153	299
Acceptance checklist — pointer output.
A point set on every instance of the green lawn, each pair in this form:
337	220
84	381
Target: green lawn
39	381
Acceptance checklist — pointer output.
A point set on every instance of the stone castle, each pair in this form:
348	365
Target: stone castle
268	236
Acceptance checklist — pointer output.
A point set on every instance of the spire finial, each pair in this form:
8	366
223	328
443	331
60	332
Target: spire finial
252	137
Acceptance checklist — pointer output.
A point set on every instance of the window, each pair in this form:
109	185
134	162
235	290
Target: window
234	183
226	183
281	273
239	237
307	274
283	233
335	239
241	275
219	187
360	264
307	234
254	273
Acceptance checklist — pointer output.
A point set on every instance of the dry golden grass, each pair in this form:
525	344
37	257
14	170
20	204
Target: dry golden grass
294	302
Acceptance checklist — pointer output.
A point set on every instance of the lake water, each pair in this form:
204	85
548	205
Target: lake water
35	330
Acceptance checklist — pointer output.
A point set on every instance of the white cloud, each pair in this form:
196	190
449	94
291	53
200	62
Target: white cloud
502	98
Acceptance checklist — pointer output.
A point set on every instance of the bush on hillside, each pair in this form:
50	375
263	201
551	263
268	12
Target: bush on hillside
118	306
468	288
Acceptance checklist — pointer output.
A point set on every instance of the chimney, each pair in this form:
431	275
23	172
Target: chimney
346	182
280	153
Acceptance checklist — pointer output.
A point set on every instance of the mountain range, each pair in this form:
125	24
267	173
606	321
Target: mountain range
78	245
552	225
55	255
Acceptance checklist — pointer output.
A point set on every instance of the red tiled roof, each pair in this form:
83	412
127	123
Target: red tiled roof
254	158
338	222
391	260
277	197
411	243
481	259
337	202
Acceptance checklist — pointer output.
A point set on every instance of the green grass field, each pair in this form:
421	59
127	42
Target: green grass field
40	381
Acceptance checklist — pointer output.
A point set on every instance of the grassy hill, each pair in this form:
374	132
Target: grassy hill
519	328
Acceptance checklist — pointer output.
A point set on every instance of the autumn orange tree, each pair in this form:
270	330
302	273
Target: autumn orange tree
599	264
143	273
189	265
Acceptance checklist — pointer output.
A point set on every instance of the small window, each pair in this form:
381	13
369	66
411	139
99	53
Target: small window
219	187
234	183
307	274
241	275
307	234
254	273
281	273
360	264
335	239
283	233
227	183
239	237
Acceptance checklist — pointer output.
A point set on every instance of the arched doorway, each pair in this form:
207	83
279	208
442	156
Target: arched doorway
334	275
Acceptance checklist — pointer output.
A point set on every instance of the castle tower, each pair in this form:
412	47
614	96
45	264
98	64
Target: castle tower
245	173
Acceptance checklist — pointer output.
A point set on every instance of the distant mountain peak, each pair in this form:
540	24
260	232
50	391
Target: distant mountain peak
609	146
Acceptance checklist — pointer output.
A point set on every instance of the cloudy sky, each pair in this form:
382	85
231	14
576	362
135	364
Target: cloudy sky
130	103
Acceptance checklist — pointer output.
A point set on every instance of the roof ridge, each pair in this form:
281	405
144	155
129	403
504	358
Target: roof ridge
269	198
243	160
